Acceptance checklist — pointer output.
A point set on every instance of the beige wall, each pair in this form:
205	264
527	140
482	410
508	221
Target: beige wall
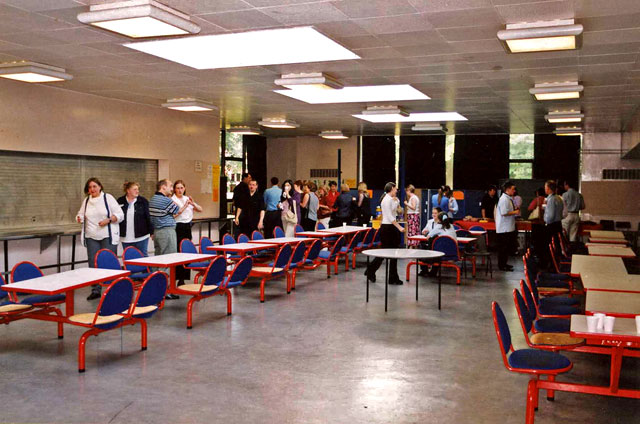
37	118
294	157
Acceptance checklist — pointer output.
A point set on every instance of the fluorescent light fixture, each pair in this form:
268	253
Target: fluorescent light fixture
316	80
139	18
564	117
541	36
333	135
428	127
385	110
189	104
254	48
360	94
557	91
414	117
278	123
33	72
568	131
245	130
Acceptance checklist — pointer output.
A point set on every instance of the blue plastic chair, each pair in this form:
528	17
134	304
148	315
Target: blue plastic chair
477	228
299	228
116	298
463	233
311	260
106	259
138	272
279	268
187	246
456	227
9	306
243	238
332	255
544	325
238	275
528	361
257	235
278	232
376	239
208	286
26	271
367	241
150	295
449	247
549	310
297	261
205	242
350	249
228	239
321	226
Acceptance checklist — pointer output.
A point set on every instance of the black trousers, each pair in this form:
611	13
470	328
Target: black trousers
183	231
551	230
272	220
506	245
390	238
308	224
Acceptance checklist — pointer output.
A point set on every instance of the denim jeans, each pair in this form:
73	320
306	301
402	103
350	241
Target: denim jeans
164	242
142	245
93	246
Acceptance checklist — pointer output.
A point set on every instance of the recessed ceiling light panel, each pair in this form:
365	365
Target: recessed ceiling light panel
33	72
557	91
414	117
360	94
568	131
278	123
139	19
428	127
564	117
541	36
189	104
245	130
254	48
316	80
333	135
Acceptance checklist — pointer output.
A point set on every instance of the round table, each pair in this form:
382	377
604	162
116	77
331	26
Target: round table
417	254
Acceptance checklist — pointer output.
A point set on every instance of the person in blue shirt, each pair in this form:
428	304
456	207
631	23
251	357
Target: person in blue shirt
272	217
552	216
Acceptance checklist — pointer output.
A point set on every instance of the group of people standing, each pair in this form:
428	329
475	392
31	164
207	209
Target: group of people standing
133	220
297	203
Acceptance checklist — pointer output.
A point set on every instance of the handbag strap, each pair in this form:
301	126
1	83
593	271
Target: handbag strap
106	205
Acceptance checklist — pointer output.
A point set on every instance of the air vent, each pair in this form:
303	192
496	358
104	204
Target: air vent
621	174
323	173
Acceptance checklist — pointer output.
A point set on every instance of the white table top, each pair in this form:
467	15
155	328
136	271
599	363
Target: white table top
626	252
613	302
583	264
476	232
65	281
604	281
606	234
403	253
238	247
346	229
461	240
318	234
282	240
621	326
602	244
170	259
608	240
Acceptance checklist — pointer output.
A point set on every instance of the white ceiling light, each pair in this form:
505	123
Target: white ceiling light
413	117
254	48
568	131
361	94
333	135
428	127
386	110
541	36
314	80
564	117
139	18
33	72
244	130
557	91
189	104
278	123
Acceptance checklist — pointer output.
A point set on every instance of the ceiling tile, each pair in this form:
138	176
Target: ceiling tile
470	33
536	11
486	16
374	8
395	24
40	5
304	14
448	5
243	20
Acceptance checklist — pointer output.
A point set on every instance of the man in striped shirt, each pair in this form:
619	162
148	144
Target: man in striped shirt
162	211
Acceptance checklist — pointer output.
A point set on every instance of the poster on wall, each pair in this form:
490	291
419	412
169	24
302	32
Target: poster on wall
215	182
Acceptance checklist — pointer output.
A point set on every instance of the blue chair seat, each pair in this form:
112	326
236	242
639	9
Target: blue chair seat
559	300
553	276
139	275
308	262
233	284
197	265
324	254
552	325
552	283
345	250
534	359
43	298
558	309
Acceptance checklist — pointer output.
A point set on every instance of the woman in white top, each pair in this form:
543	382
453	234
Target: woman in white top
440	225
432	222
183	222
412	203
390	234
99	215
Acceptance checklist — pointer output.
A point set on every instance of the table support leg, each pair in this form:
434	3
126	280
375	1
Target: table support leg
439	283
386	282
367	274
58	252
73	251
616	364
6	257
172	279
417	276
69	303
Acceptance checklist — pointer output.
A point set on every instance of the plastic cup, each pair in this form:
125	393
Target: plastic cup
638	324
608	324
364	225
592	324
344	224
600	320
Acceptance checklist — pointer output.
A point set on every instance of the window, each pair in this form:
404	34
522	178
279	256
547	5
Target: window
233	160
521	148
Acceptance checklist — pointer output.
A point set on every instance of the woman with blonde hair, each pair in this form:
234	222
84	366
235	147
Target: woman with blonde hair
363	204
136	228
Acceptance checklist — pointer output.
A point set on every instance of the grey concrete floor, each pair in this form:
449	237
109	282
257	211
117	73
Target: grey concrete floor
319	355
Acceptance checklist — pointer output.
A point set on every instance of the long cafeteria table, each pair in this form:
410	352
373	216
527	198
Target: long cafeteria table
622	252
602	234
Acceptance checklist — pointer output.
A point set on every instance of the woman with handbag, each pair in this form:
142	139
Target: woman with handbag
99	215
288	207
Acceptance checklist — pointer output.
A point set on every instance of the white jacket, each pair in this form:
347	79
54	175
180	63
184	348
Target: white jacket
114	209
